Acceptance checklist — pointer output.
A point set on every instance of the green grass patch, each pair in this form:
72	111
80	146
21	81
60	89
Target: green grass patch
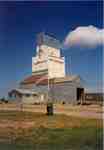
53	139
51	132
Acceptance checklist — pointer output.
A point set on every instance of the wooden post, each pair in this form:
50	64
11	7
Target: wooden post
50	99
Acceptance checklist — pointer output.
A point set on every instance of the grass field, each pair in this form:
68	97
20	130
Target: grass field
36	131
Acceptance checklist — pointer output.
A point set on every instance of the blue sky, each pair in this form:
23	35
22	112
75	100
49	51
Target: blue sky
21	21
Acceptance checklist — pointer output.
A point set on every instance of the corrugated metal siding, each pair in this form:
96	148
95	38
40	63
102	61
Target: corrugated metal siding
63	92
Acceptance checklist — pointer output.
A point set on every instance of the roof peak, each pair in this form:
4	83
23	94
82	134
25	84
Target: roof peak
48	39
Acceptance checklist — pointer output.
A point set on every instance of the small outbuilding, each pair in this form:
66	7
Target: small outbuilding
26	96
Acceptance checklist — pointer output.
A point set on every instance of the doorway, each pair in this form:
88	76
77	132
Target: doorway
80	95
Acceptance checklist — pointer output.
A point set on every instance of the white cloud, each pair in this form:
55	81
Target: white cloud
89	36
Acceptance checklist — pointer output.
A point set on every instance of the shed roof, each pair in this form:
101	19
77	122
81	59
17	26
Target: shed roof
43	79
23	91
70	78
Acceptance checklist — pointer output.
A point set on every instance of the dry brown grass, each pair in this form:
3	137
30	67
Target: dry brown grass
28	129
15	119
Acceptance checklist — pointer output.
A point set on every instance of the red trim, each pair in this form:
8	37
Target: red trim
39	62
34	79
57	61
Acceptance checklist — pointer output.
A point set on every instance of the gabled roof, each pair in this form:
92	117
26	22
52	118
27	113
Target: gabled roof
35	79
43	79
23	91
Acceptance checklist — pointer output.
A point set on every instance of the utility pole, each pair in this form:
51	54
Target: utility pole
70	66
49	102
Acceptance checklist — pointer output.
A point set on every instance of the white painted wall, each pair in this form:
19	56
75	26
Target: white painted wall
29	100
48	58
39	66
56	68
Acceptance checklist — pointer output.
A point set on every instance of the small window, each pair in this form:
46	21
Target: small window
27	95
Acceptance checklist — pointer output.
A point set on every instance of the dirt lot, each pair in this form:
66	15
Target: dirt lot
91	111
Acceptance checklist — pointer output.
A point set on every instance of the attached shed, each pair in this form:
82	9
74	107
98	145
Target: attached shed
26	96
67	90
